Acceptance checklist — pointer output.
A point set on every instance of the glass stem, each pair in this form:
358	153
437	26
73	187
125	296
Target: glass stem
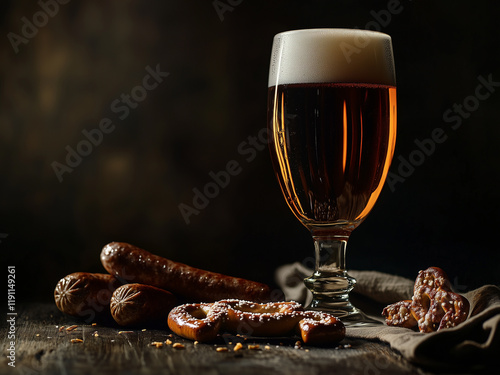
330	284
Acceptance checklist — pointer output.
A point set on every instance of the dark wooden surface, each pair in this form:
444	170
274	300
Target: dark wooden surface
42	347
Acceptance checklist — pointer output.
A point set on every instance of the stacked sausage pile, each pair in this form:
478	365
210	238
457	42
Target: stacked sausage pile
142	289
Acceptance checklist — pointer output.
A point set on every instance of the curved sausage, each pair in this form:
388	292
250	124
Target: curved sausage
134	265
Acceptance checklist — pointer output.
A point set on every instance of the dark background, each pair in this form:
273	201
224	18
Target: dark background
129	188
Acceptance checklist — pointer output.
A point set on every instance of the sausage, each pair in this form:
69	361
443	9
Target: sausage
141	305
85	295
131	264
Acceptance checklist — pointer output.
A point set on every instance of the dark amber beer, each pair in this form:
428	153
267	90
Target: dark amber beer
333	143
332	134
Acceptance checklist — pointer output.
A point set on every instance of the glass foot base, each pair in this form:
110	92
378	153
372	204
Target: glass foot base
330	284
347	313
360	319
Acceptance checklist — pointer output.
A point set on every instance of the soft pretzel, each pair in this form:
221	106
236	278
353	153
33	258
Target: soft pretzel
399	314
318	328
434	305
199	322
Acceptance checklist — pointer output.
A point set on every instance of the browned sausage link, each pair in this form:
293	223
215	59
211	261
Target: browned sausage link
134	265
141	305
85	295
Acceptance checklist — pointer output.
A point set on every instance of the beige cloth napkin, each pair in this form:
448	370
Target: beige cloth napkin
473	345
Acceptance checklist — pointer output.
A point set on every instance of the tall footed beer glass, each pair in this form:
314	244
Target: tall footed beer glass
332	127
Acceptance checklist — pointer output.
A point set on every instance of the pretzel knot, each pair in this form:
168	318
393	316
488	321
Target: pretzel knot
399	314
203	322
434	305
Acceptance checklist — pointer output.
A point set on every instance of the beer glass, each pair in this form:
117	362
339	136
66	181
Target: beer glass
332	130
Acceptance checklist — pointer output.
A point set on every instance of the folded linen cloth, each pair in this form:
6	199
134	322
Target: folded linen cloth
472	345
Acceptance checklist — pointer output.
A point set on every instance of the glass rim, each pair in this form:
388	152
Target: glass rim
339	30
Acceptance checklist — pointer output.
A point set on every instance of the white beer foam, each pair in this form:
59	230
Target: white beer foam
332	55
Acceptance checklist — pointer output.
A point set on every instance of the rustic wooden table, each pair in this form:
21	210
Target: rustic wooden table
49	342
